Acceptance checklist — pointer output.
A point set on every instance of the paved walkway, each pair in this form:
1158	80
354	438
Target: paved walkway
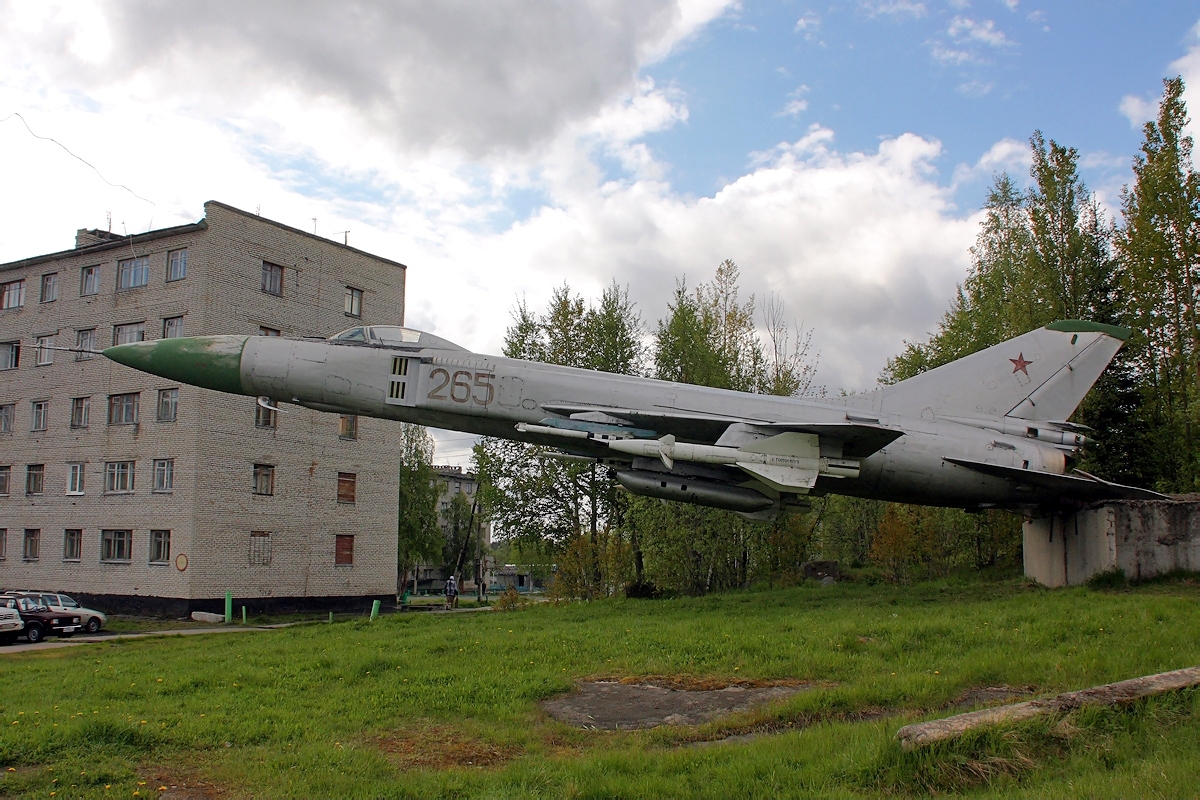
54	643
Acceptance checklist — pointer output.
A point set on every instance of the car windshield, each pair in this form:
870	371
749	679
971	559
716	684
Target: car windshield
25	604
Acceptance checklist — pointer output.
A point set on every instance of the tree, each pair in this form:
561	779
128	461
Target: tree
418	537
1160	247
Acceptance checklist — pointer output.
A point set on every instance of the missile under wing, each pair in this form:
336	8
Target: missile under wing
988	430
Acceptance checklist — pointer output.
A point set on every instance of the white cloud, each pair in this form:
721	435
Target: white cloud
975	88
809	25
1011	5
1189	68
894	8
949	55
1137	110
985	32
796	104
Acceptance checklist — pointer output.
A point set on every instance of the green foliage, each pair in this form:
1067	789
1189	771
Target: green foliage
419	538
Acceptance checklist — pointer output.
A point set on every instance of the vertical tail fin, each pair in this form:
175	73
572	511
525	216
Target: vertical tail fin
1040	375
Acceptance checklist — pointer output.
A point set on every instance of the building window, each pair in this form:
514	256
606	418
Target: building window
123	409
118	477
264	479
348	426
12	294
41	410
85	343
353	302
116	545
33	544
75	478
272	278
343	549
346	487
164	475
35	479
44	354
133	272
172	327
260	548
264	417
50	287
10	355
168	405
5	480
130	332
3	544
89	281
263	330
80	411
7	413
72	544
176	265
160	547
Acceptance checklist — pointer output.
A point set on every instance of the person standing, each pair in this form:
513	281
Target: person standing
451	593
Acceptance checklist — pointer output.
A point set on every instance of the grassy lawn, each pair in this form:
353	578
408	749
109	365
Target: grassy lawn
424	705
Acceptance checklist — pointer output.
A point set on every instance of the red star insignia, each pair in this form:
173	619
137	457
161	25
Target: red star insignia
1019	364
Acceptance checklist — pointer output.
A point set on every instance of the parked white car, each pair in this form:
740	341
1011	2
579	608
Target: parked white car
90	619
10	625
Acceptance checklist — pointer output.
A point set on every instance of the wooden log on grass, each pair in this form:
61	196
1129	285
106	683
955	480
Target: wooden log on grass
938	730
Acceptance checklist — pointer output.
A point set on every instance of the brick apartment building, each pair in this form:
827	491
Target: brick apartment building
136	493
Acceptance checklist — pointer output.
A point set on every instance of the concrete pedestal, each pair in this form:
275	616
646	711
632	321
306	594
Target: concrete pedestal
1142	538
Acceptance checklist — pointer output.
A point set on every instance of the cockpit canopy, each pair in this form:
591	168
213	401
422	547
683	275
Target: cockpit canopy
394	336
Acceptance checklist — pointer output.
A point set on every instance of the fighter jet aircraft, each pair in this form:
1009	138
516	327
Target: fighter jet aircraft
990	430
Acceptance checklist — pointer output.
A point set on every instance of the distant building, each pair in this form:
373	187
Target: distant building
138	493
454	481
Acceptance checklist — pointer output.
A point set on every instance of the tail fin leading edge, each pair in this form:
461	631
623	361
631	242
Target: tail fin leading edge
1040	375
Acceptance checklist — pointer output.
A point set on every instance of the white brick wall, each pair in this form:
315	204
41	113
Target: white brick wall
213	442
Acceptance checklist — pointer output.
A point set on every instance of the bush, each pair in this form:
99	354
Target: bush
1109	579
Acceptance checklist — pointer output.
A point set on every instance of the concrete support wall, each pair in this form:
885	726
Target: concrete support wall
1142	538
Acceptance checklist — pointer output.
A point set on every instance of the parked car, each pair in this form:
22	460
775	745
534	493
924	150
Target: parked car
90	619
11	625
40	620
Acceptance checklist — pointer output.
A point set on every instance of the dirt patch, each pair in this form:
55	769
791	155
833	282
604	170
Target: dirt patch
991	695
442	748
616	705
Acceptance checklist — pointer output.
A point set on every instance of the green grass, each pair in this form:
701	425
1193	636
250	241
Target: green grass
399	706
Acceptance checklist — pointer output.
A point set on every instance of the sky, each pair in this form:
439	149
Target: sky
839	153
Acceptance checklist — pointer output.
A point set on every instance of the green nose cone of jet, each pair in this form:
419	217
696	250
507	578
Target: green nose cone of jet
213	362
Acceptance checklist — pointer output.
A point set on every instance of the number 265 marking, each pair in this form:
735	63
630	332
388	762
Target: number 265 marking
462	386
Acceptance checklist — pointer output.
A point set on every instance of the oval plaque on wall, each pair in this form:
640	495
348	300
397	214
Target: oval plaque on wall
181	562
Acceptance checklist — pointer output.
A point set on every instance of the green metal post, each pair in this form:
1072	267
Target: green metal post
228	607
243	615
330	617
374	610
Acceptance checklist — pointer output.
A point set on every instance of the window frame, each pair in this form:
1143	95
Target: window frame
164	476
3	544
35	487
272	279
76	477
81	412
265	418
85	344
43	353
12	294
120	477
112	542
31	536
353	302
39	415
5	480
123	401
13	356
177	258
264	480
137	327
168	399
133	268
347	488
49	281
89	278
172	327
160	546
348	427
8	417
72	544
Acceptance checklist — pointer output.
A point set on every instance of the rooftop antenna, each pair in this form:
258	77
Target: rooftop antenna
314	219
109	221
345	237
258	210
